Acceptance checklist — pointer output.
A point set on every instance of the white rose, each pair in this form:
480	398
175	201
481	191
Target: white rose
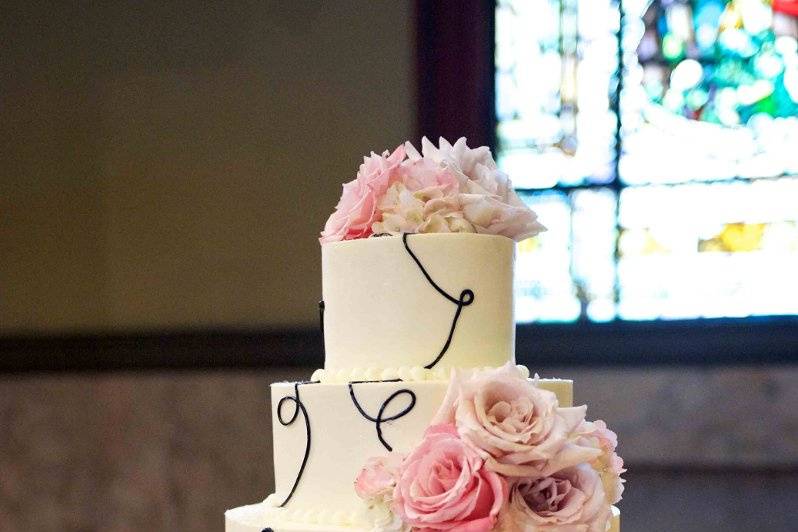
489	203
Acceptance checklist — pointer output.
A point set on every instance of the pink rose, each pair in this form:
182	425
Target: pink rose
357	209
517	427
424	173
571	500
451	188
376	480
609	465
444	486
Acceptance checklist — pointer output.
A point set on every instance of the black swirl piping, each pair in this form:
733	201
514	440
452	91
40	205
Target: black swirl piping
465	299
298	407
380	419
321	326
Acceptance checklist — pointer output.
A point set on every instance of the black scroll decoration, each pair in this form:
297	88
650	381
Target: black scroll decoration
299	407
380	419
321	327
465	299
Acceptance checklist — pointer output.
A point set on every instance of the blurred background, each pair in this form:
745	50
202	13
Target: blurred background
165	169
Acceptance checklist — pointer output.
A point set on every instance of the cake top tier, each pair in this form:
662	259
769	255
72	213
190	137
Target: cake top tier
444	189
417	263
417	301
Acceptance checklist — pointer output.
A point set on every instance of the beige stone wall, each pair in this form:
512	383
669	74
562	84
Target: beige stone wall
171	165
707	450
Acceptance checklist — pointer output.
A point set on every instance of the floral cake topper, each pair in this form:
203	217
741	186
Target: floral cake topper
500	454
443	189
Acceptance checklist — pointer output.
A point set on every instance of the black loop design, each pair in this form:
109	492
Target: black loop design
465	299
380	419
298	407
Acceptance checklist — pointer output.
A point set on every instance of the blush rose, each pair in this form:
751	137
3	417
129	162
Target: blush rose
444	486
609	465
571	500
376	480
357	209
519	428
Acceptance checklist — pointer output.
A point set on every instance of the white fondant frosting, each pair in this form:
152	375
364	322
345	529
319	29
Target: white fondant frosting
615	524
380	311
251	518
404	373
256	517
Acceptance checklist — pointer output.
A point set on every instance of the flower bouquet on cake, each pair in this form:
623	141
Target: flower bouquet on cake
500	454
446	189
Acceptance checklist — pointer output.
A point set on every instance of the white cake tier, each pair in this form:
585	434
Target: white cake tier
333	439
418	300
250	519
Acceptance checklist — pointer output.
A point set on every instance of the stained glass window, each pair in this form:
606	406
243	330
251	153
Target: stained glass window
703	250
714	81
554	127
658	139
568	272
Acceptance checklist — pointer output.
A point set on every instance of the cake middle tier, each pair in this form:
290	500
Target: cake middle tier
423	300
325	433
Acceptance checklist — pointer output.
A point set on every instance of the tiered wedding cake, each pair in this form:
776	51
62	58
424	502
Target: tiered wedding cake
420	418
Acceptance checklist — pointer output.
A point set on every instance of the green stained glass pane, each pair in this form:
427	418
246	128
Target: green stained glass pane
710	91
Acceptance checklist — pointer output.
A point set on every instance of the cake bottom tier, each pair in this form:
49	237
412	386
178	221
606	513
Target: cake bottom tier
262	517
324	433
